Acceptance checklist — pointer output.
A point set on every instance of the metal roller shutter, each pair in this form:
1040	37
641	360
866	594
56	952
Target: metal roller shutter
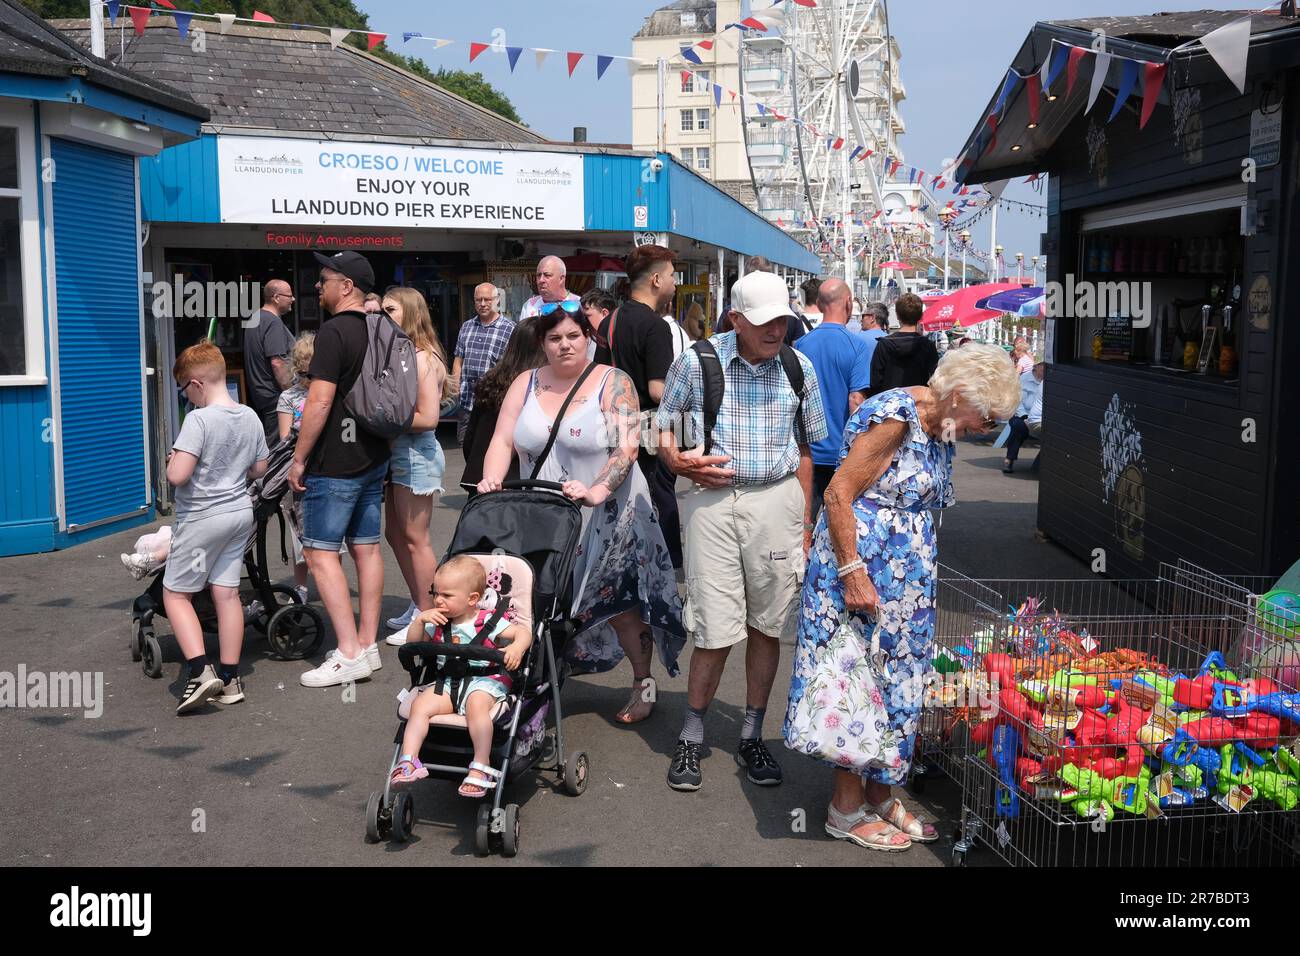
101	374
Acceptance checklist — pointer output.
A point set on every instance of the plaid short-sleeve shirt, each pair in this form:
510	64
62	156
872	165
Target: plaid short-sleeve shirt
479	347
756	425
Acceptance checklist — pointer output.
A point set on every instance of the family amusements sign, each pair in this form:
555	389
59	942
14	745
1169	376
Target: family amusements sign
369	184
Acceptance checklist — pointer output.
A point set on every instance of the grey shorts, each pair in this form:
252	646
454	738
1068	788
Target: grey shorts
208	550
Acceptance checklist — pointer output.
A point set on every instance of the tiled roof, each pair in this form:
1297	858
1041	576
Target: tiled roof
667	21
30	46
292	79
1172	29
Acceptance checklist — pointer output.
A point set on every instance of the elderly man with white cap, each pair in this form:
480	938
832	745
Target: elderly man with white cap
748	518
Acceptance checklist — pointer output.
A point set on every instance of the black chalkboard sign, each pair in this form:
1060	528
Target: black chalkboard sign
1117	337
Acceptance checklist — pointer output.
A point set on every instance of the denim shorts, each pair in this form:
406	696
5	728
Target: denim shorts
339	509
418	462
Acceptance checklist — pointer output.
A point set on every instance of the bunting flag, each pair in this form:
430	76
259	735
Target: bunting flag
183	23
633	64
1151	82
261	17
686	76
762	110
602	64
475	49
374	39
839	143
1229	46
1127	81
573	61
112	12
337	36
406	37
139	17
1052	66
717	95
1100	67
753	23
689	54
856	150
512	54
541	55
1035	97
1077	53
992	121
705	44
733	95
168	4
1008	84
439	44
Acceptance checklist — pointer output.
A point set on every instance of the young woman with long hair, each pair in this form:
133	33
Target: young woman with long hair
417	459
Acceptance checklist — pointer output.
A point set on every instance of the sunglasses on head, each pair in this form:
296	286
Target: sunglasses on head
570	306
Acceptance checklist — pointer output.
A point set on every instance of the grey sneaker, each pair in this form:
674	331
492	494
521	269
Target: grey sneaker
232	692
199	690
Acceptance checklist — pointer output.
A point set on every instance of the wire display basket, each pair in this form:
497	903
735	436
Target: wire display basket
1127	722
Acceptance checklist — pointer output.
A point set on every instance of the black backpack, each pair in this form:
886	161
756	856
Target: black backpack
715	383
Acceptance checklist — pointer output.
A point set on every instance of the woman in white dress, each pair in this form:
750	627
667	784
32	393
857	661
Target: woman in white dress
625	597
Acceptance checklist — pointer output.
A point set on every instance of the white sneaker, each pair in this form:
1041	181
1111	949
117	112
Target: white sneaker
372	657
337	669
396	639
301	591
138	564
403	620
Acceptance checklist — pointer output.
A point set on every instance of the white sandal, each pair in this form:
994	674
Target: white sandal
486	783
840	825
897	816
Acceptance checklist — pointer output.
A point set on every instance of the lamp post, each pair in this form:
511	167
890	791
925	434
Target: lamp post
965	241
1020	267
997	263
1033	263
946	217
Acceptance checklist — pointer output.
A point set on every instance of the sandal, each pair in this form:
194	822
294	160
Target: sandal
841	826
407	771
639	696
893	812
482	784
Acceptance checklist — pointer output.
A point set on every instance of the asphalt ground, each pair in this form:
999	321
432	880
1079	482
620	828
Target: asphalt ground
283	778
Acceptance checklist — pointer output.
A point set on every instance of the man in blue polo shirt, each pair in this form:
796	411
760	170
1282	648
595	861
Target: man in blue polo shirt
842	361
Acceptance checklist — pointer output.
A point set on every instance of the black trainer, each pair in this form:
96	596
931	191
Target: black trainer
684	771
763	770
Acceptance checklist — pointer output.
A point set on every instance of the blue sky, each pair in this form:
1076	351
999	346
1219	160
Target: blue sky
954	55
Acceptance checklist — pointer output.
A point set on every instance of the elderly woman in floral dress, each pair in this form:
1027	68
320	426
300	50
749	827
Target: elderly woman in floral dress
872	564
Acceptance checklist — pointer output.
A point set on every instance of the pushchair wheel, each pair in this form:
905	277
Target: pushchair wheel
483	832
576	770
403	817
295	631
510	829
137	648
374	817
151	654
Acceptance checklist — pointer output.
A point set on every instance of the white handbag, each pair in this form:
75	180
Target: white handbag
841	717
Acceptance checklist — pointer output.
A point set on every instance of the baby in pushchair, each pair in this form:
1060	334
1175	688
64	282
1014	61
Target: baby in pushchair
456	618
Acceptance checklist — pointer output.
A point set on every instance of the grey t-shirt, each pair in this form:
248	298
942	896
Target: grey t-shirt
268	338
227	441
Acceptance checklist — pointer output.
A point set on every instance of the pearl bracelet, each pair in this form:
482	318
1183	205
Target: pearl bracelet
847	569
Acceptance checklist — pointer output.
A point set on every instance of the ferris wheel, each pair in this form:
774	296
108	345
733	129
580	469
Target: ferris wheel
834	68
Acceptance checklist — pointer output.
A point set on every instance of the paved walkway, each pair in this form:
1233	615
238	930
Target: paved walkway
284	777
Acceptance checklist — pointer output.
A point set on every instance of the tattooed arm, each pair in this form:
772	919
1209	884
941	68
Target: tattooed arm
622	420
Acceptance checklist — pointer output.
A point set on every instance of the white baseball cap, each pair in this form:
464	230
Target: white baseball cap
761	297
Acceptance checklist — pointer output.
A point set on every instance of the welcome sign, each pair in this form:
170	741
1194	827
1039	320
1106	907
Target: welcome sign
309	182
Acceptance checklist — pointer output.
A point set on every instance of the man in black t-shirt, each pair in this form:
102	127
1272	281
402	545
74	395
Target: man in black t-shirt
906	357
340	467
637	340
267	344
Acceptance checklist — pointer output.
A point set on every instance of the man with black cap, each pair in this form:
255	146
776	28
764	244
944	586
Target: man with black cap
340	467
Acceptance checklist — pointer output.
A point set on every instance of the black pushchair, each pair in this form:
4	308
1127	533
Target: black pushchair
526	539
294	630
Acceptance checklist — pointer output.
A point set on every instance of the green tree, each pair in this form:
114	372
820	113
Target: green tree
326	13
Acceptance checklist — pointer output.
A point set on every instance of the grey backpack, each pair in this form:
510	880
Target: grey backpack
383	398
